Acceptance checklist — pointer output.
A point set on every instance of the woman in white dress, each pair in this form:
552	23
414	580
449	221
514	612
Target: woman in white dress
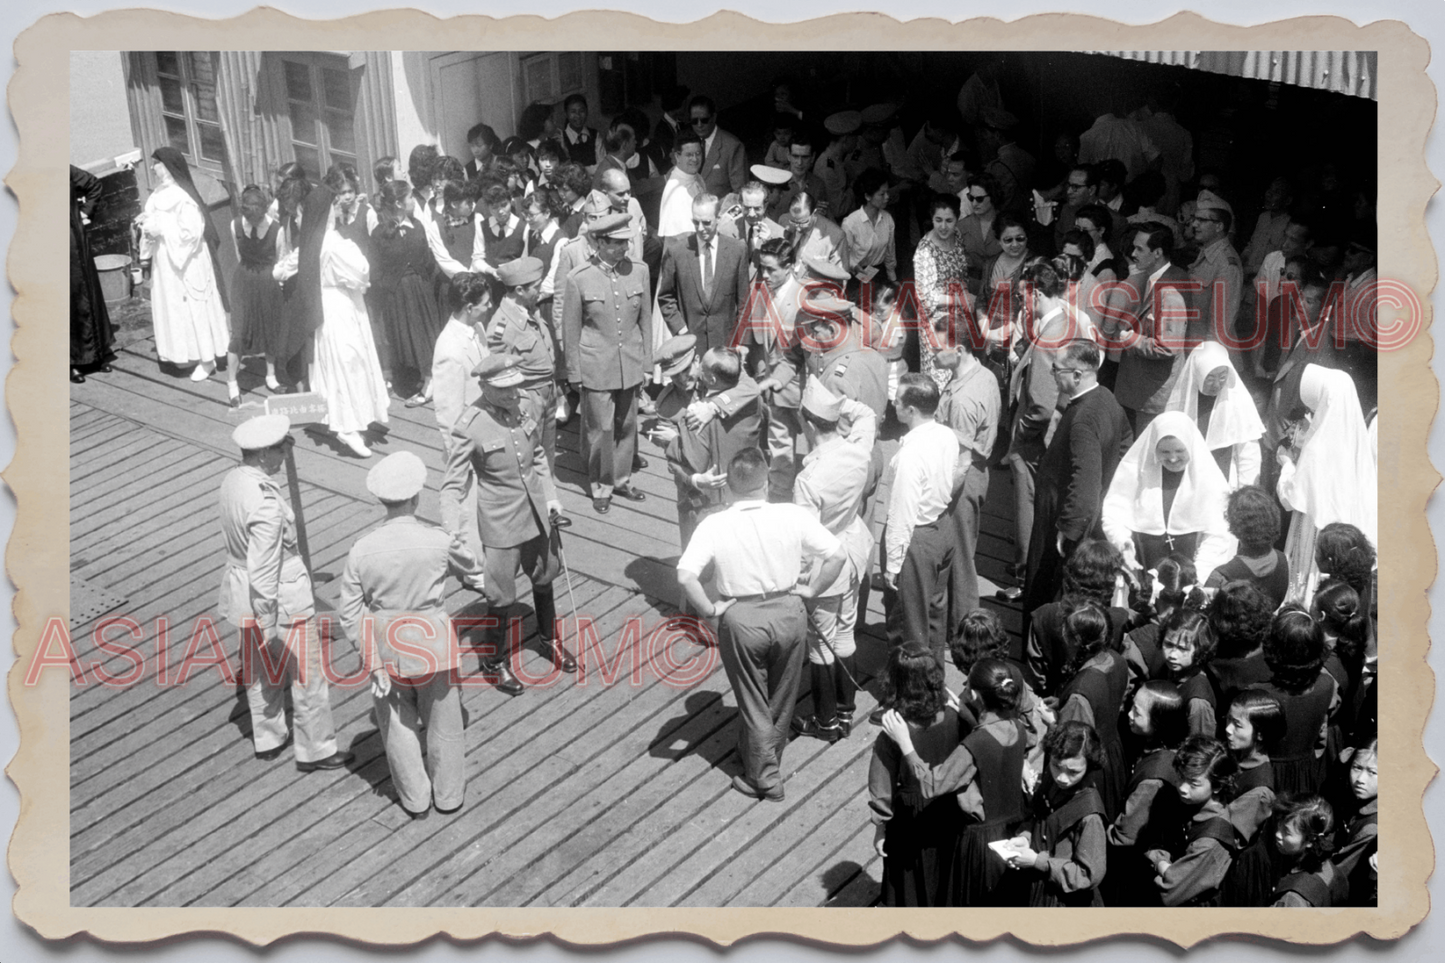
345	369
1168	496
1328	476
1210	393
188	296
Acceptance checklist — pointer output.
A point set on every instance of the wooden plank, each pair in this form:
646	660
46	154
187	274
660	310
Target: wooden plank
849	878
818	821
522	762
201	846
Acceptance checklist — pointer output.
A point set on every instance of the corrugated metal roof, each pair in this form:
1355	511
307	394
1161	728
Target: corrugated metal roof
1352	72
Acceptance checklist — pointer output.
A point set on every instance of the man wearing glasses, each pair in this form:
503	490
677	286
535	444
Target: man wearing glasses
724	166
1081	187
1217	267
1090	440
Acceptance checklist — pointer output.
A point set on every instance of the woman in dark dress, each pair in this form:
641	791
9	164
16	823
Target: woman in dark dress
984	778
1095	694
917	837
255	294
299	315
91	335
1253	726
403	287
1159	725
1295	652
1089	576
1067	852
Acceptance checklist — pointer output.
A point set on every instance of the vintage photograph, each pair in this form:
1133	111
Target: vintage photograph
774	478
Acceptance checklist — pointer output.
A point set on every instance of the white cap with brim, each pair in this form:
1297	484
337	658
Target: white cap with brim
263	431
771	175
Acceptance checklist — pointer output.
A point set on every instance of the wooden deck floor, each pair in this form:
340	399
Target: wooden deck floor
578	794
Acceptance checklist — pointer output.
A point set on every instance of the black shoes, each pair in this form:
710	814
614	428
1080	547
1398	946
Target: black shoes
629	493
602	505
638	463
810	727
559	655
337	760
506	681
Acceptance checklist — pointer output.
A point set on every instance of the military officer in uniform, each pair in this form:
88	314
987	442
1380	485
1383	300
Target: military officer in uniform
1217	267
266	594
607	337
768	558
497	446
392	591
518	330
832	486
835	352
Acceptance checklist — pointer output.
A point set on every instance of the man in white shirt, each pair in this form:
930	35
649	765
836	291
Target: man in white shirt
918	538
758	551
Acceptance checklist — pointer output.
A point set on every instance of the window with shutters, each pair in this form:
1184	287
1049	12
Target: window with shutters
550	77
187	81
321	103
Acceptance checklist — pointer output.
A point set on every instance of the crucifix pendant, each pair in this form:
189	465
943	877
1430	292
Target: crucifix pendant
1169	541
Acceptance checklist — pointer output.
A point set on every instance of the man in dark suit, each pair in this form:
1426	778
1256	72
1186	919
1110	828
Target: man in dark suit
607	333
1075	472
703	283
724	164
1151	364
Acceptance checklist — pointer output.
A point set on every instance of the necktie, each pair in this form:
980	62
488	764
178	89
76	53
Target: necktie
707	269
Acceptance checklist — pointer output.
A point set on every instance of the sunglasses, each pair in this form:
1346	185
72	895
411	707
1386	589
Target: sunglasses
978	197
699	121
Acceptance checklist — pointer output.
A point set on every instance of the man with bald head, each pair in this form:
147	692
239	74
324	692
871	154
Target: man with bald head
618	188
703	283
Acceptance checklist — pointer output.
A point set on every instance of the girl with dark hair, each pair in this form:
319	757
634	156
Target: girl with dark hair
1295	652
421	166
1157	720
1342	551
1253	726
1187	648
1067	844
916	836
1095	695
188	294
1239	620
983	777
1253	519
344	367
1089	576
1304	837
294	338
403	273
255	295
1358	839
1163	592
1339	610
868	234
1191	865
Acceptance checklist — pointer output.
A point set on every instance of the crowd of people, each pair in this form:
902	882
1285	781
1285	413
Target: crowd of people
1189	717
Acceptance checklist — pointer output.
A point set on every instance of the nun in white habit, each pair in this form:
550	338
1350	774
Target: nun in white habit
1168	496
1329	476
1210	393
